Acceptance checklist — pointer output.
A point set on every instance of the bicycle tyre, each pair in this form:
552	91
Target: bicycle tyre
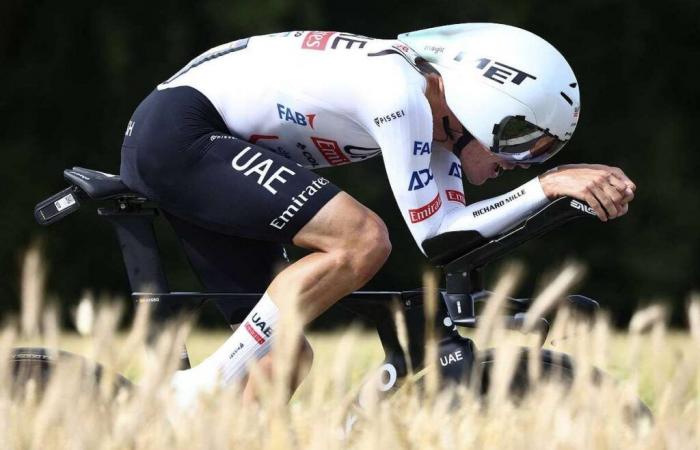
554	367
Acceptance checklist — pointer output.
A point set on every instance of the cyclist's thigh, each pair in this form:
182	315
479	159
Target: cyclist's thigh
177	157
343	219
225	263
244	190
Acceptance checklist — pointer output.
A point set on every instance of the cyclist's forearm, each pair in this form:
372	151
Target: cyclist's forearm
495	215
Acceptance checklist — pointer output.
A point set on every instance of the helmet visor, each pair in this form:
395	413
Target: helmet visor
517	140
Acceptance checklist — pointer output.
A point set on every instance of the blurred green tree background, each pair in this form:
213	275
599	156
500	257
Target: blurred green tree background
72	73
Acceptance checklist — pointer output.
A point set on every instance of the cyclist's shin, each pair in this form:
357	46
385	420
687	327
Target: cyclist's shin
250	341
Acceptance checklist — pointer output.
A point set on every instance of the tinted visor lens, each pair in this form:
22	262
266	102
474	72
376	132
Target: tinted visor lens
517	140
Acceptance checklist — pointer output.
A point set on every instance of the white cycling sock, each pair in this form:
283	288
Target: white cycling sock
251	341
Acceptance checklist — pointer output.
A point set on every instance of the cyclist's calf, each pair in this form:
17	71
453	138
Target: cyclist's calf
301	368
350	244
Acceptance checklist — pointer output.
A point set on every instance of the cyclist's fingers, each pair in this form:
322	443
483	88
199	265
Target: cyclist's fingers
623	209
619	184
605	200
619	174
615	195
628	197
625	191
615	171
593	202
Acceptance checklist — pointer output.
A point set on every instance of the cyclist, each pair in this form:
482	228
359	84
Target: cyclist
227	145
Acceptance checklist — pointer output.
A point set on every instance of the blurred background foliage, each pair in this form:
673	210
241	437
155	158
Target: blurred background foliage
72	73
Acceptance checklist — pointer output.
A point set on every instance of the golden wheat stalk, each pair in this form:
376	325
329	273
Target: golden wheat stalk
72	413
33	286
552	294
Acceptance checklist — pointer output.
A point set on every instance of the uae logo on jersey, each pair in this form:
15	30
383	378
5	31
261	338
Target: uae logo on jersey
331	151
425	211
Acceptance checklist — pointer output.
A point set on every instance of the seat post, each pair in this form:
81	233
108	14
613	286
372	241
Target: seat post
133	224
134	227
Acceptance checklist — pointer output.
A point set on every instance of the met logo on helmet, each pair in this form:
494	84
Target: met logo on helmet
499	72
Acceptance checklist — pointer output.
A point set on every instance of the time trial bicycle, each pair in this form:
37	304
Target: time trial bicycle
460	255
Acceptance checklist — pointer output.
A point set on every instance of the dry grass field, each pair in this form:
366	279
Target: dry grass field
648	361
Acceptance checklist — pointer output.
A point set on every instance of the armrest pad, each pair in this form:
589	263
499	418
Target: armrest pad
446	247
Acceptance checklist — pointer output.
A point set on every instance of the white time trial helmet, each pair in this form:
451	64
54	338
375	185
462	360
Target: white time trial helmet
512	90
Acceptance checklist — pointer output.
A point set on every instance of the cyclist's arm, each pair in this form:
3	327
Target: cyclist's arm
406	144
491	216
421	178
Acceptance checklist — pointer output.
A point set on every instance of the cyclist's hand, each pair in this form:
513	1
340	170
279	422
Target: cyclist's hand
606	189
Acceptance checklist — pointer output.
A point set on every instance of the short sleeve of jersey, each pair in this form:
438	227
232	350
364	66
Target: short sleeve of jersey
400	120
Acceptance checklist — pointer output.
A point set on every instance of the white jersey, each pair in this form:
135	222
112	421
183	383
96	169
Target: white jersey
328	98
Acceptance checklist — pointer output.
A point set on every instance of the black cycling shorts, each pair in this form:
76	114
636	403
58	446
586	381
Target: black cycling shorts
178	152
231	203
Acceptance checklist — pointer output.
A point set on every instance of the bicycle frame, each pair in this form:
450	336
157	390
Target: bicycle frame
133	223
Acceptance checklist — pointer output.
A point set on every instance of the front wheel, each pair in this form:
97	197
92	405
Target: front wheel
554	367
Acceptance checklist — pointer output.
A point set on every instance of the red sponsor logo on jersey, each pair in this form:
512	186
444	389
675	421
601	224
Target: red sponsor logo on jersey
455	196
331	151
254	138
425	211
316	40
249	328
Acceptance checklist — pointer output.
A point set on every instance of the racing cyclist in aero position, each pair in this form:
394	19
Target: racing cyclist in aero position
227	146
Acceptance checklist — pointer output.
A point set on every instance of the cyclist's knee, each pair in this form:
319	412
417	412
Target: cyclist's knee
365	247
355	235
375	241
